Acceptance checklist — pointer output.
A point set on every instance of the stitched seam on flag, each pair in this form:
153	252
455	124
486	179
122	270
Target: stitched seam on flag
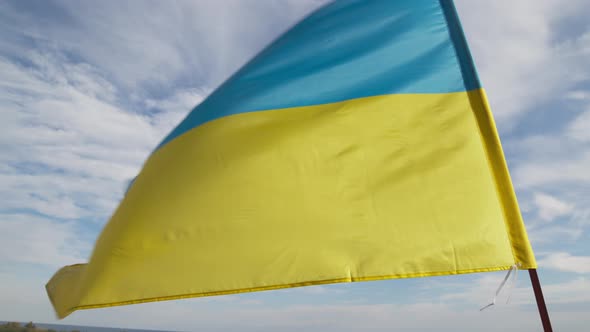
283	286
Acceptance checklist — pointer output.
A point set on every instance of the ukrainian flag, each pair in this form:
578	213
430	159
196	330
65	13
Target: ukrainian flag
358	146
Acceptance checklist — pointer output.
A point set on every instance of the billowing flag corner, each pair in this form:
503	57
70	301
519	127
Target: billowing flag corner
358	146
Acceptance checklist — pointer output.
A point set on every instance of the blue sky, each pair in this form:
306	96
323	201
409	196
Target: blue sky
88	89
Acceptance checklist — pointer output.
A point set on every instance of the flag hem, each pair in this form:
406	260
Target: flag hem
275	287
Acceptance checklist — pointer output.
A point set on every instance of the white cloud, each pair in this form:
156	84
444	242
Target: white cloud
576	291
65	144
554	234
571	170
581	216
522	60
199	43
563	261
578	95
30	239
543	161
579	128
550	207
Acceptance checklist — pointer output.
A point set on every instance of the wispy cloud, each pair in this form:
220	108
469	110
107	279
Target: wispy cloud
579	129
523	59
564	261
29	239
67	145
184	44
562	234
550	207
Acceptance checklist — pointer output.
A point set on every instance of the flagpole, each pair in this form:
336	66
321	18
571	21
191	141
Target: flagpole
540	301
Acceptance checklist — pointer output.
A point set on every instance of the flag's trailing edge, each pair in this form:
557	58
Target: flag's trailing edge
358	146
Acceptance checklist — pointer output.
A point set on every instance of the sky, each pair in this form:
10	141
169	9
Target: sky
89	88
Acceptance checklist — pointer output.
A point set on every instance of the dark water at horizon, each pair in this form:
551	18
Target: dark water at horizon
80	328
